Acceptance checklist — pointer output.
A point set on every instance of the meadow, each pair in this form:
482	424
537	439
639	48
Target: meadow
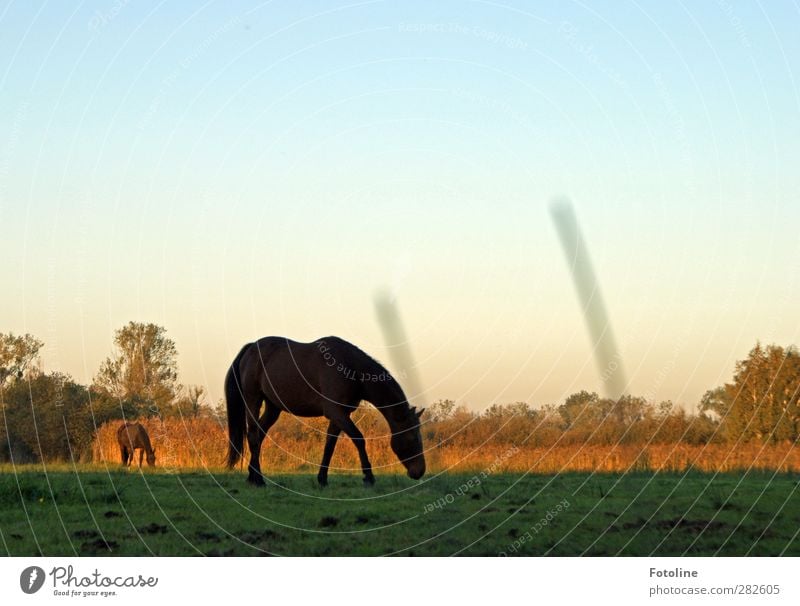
99	510
592	476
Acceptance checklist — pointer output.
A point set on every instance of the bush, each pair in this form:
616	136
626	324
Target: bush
48	418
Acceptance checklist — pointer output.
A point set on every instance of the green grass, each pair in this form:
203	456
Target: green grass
99	511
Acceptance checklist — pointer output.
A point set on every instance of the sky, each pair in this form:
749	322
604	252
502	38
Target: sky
234	170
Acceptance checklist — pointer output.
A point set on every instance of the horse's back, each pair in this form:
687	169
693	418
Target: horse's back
302	378
131	435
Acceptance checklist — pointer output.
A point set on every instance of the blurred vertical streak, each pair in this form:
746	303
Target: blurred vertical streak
405	370
607	355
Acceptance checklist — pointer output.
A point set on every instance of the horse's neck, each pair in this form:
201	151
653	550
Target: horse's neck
393	413
389	413
389	403
146	442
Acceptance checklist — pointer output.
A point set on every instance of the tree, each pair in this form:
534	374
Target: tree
763	401
220	411
142	373
191	404
47	418
581	407
628	409
515	409
17	355
440	410
715	403
509	423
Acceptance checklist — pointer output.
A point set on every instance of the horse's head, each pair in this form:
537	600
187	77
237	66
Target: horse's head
151	457
406	443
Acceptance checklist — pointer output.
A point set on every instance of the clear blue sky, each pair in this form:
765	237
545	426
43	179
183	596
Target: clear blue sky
231	171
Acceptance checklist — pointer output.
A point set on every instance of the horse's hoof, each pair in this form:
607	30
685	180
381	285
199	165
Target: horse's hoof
256	480
323	482
369	481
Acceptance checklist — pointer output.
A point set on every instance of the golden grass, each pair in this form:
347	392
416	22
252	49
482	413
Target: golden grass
295	445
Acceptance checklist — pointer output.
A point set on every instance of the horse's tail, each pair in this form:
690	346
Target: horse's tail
237	410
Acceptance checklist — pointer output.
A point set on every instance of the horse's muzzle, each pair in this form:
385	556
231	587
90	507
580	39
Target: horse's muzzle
416	470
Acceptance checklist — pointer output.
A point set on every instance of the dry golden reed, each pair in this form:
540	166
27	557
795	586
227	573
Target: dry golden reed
295	445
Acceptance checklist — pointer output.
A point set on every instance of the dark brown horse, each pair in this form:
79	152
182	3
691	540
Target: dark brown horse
328	377
131	436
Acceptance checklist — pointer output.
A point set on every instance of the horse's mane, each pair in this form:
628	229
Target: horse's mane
375	367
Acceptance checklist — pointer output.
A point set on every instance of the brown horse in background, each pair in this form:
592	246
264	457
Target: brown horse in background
131	436
328	377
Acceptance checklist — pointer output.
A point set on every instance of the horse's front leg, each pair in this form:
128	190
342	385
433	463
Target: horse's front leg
330	445
141	456
256	432
350	429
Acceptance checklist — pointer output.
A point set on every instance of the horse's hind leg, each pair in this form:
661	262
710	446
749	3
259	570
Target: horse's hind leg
141	456
350	429
330	445
256	432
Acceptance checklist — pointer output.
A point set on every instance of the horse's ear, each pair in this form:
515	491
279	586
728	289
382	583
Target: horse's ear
419	413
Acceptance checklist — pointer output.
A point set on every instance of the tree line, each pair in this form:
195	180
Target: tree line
49	416
760	405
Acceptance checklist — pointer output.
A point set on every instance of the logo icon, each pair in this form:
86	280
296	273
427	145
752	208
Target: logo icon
31	579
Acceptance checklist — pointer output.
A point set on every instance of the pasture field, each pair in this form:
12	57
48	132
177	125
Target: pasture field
98	510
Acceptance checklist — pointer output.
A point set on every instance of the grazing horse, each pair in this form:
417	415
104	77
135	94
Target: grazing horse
325	378
131	436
